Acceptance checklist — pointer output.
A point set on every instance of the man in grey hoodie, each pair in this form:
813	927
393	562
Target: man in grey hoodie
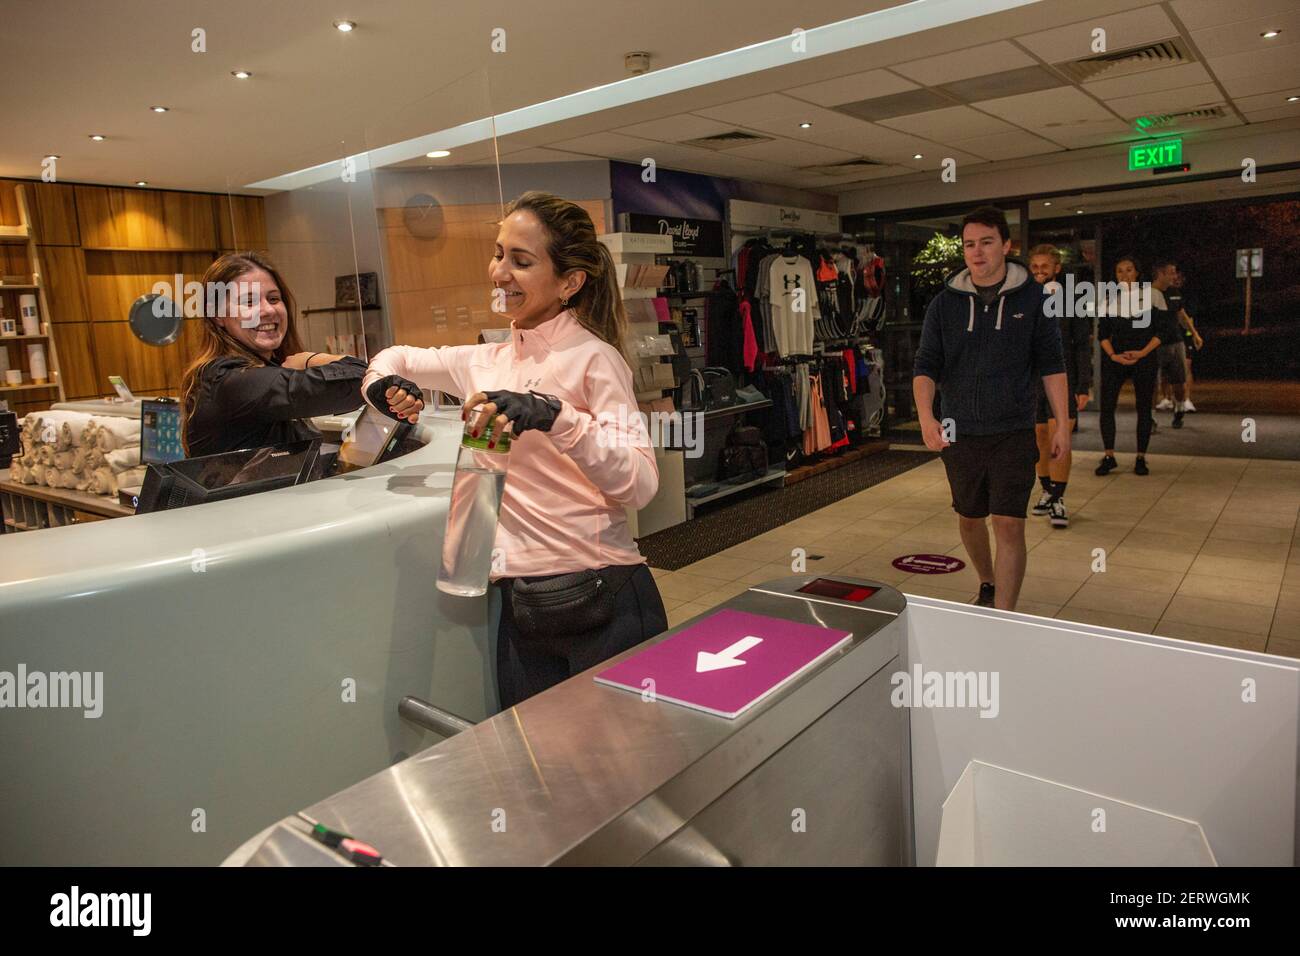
986	340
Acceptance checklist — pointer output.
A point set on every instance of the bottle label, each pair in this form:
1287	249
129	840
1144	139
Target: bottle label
481	443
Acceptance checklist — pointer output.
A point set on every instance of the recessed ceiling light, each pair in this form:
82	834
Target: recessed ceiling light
97	137
1047	202
1292	99
52	156
1269	34
805	125
241	74
158	109
438	153
344	26
141	182
918	156
1078	212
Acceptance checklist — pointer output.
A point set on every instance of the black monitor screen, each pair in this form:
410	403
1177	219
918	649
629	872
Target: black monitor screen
249	465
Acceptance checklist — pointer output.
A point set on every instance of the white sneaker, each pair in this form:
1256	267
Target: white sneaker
1188	406
1044	505
1165	405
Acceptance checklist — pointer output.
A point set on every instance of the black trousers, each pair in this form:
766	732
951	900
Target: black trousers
529	666
1113	377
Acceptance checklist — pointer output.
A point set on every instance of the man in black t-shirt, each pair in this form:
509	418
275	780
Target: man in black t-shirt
1168	322
1183	308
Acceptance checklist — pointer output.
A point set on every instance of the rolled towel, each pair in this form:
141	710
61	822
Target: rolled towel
45	454
102	482
83	482
67	479
51	477
36	475
63	460
79	459
70	432
131	478
95	459
88	435
20	473
122	459
114	433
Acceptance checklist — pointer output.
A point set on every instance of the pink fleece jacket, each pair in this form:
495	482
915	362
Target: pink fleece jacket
562	508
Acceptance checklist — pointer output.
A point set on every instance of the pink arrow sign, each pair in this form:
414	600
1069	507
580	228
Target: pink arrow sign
727	662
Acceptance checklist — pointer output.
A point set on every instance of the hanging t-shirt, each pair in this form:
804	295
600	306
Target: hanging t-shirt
792	293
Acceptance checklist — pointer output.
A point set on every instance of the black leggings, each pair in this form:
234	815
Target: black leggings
529	666
1113	376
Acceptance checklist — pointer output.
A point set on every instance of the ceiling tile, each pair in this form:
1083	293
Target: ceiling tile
1252	62
1150	81
898	104
1010	145
1038	111
676	129
1088	134
756	109
1167	101
539	154
1123	30
1245	36
1266	101
960	64
878	142
953	123
1285	111
788	126
850	89
788	152
1026	79
1198	14
1277	82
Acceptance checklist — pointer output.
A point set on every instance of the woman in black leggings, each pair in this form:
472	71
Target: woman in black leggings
1128	335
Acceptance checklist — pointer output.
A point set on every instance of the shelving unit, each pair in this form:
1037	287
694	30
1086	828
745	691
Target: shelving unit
25	234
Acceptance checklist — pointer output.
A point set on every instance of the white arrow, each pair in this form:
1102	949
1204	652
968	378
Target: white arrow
727	657
929	564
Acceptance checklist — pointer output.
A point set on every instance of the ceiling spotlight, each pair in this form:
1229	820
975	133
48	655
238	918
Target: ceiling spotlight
344	26
438	153
241	74
1292	99
141	182
1269	34
97	137
158	109
918	156
1078	212
1047	202
805	125
52	156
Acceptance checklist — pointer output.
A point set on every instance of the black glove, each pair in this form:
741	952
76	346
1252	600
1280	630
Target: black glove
376	394
525	410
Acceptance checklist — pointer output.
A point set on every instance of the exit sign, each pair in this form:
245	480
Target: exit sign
1167	152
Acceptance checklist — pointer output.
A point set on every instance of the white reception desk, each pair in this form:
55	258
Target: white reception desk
252	653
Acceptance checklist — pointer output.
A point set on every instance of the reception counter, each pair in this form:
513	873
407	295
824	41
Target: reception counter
250	656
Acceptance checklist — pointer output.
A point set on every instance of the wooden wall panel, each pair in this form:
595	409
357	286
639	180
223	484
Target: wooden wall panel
9	215
114	280
53	207
64	278
145	367
241	223
81	378
14	260
145	219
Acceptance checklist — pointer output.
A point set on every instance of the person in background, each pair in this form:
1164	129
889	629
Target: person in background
1128	335
1076	345
984	341
580	453
1180	306
252	384
1172	354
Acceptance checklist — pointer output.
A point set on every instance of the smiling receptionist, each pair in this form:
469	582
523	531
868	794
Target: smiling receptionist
580	454
252	384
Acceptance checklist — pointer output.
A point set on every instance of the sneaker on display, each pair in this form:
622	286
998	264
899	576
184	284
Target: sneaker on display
1059	517
985	598
1165	405
1043	503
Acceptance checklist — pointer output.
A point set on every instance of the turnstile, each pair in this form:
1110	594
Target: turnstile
815	773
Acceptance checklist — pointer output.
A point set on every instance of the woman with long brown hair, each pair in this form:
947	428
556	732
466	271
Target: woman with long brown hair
579	455
252	384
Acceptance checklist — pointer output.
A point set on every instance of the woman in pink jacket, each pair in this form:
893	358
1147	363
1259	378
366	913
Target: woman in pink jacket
574	588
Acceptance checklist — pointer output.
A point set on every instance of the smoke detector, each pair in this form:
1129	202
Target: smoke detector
636	63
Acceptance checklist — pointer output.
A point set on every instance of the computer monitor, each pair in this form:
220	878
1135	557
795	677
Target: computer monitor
374	438
231	474
160	431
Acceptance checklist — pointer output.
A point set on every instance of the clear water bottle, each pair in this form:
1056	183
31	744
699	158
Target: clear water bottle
471	531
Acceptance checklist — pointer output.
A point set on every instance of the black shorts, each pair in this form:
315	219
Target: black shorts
1045	410
992	474
1173	363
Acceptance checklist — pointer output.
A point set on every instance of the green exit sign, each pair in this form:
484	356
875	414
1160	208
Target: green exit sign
1167	152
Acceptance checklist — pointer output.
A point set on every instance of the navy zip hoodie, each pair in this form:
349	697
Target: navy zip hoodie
986	358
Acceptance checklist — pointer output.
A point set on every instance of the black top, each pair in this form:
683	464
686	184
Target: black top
243	406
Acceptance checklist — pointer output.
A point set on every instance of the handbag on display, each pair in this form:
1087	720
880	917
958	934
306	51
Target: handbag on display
692	393
744	456
719	387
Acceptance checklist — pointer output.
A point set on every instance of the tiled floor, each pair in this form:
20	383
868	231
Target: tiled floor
1203	549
